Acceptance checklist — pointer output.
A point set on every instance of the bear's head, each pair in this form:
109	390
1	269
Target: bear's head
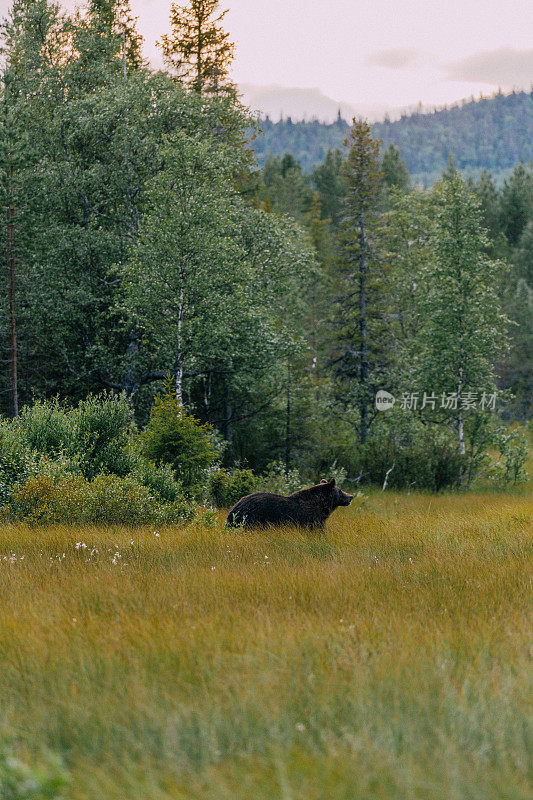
337	496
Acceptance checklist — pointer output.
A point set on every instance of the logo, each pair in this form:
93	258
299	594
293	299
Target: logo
384	400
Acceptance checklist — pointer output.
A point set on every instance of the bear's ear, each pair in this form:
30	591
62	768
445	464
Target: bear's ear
324	480
332	482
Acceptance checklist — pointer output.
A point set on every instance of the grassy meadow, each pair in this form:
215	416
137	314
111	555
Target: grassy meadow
392	658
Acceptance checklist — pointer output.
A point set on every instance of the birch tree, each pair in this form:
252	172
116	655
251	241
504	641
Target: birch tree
463	330
207	280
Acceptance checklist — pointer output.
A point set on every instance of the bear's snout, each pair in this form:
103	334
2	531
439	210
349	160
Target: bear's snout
346	499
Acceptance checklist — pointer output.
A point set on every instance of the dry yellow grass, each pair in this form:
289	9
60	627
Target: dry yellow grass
391	658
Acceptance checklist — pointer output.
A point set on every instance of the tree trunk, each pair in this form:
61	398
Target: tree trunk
462	448
13	352
178	369
228	416
460	420
288	453
228	426
363	376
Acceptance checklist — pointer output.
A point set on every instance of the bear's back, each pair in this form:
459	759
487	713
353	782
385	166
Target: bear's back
265	508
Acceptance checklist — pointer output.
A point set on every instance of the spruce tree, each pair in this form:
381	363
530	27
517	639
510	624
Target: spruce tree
329	181
395	173
198	48
361	327
516	203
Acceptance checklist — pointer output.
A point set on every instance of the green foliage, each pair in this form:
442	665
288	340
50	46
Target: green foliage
226	488
100	434
424	139
178	439
159	479
56	460
362	344
20	780
198	49
285	188
393	169
106	499
516	205
329	181
509	469
461	330
278	480
147	246
419	456
94	435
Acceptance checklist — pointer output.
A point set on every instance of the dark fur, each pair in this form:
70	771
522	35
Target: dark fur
308	508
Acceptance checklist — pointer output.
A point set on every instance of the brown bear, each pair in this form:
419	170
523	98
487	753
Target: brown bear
308	508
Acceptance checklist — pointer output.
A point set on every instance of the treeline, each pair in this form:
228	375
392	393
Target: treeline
403	270
132	250
142	246
493	133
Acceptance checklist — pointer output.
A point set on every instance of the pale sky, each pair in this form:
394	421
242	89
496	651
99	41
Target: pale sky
396	52
379	52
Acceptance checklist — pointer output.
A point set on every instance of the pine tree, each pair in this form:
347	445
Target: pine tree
329	181
319	299
516	203
198	48
395	173
360	306
486	190
114	18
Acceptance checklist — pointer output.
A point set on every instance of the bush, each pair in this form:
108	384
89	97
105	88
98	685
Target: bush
226	488
178	439
509	469
52	444
276	479
101	427
159	479
93	436
105	499
422	456
46	427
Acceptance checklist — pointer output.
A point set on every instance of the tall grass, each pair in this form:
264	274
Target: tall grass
391	658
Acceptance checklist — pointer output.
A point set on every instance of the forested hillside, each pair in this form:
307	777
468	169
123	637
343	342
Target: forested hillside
492	133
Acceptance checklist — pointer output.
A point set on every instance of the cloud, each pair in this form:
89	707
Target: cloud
396	58
505	67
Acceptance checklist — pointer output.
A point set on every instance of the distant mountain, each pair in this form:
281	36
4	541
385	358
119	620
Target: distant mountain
298	103
492	133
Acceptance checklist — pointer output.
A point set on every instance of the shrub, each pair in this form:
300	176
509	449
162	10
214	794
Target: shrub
93	436
276	479
226	488
509	468
178	439
16	460
46	426
105	499
101	427
422	456
158	478
54	442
